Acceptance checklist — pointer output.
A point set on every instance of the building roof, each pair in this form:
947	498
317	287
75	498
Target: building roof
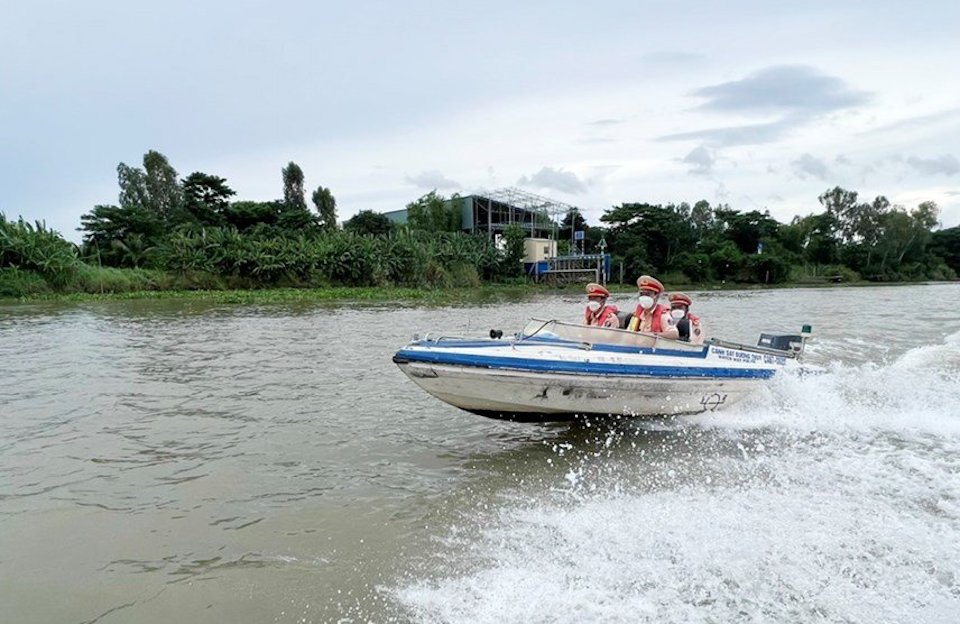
528	201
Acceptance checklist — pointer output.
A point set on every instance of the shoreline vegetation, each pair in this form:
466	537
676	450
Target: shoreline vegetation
169	235
503	292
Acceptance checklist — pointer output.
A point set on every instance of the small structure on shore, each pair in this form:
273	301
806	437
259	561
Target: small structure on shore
492	212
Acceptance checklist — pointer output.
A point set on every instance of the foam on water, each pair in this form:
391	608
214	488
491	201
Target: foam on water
831	497
919	391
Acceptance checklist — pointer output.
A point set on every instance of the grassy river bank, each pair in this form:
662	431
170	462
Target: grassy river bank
106	284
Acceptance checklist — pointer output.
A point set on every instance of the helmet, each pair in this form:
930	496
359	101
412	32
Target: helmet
596	290
679	297
645	282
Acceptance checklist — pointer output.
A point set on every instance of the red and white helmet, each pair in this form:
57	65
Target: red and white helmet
596	290
681	298
645	282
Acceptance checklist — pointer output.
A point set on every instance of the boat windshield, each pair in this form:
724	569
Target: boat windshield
603	335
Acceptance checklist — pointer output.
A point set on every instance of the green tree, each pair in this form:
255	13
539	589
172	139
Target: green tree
904	238
36	248
727	261
205	199
164	194
326	206
368	222
246	215
433	213
945	245
702	218
696	266
512	258
857	223
748	230
572	222
773	266
295	220
110	230
294	216
842	206
648	237
293	193
812	238
150	200
133	187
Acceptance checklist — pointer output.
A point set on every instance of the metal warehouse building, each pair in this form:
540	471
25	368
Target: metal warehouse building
492	212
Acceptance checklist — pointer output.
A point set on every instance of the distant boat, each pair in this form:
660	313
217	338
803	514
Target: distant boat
558	371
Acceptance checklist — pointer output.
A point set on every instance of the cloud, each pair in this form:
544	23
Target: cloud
700	159
739	135
842	160
797	93
605	122
808	166
783	88
432	180
920	122
555	179
946	164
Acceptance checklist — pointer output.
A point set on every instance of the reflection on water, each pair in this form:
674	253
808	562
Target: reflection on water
164	459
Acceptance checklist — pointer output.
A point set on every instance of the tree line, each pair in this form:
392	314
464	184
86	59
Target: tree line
154	204
195	230
848	240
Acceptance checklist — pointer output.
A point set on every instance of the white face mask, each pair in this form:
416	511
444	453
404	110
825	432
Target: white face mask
678	314
593	305
646	302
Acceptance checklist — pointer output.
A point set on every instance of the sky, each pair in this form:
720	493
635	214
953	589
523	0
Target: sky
760	105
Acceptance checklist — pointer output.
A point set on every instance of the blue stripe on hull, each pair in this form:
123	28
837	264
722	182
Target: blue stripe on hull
597	368
537	341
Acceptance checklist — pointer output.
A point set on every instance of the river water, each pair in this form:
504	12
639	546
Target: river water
181	461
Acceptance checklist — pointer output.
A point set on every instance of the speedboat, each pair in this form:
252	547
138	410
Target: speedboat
557	371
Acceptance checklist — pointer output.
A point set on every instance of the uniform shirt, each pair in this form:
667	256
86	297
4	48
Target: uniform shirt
668	328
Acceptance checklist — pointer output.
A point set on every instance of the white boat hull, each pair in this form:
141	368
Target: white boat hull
558	371
519	395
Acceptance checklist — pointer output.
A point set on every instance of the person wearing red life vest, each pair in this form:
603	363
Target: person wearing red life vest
689	325
649	316
597	311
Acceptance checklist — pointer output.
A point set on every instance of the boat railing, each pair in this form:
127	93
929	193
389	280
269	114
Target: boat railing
588	335
428	337
591	334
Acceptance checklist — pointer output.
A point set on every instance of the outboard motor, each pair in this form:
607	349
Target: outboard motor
791	343
781	342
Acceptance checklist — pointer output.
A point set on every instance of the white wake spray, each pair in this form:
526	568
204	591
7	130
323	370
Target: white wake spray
829	497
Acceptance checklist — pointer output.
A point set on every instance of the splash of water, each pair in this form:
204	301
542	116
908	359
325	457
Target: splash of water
830	497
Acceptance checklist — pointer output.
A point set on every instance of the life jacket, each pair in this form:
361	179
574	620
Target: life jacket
603	317
656	325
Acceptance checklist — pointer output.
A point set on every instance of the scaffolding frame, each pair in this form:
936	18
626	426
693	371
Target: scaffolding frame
510	205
